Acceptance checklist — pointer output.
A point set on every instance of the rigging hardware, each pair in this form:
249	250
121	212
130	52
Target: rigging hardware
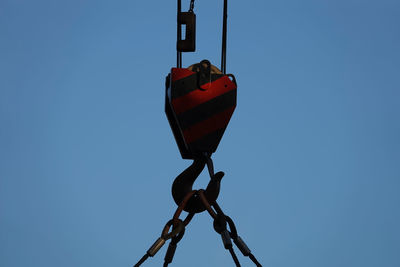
199	102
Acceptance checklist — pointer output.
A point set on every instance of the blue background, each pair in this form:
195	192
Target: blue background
311	155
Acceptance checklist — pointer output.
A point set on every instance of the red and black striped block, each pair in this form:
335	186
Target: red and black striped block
199	109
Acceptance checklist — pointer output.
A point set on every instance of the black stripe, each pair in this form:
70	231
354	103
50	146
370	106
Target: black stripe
176	131
209	142
207	109
184	86
188	84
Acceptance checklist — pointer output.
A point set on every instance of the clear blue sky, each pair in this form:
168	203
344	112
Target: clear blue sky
311	155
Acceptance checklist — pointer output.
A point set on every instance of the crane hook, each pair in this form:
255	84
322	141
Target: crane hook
183	184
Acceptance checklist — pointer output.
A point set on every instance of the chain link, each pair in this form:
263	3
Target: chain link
221	221
176	234
240	244
206	204
169	255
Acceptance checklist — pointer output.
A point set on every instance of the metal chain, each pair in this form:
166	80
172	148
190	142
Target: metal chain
240	244
178	230
169	255
220	226
220	221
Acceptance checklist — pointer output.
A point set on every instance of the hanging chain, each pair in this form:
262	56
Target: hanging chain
221	223
178	230
191	6
220	226
175	233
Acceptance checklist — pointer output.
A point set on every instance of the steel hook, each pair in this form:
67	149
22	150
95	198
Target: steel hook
183	184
